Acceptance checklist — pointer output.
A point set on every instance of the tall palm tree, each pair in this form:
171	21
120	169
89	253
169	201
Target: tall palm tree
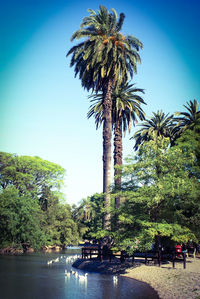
125	110
105	58
160	124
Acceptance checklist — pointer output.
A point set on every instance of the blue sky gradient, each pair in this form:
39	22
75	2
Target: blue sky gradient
43	107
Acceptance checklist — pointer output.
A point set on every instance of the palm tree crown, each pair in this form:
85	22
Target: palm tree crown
105	52
125	106
188	119
160	124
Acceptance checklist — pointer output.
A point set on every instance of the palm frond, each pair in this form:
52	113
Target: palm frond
106	53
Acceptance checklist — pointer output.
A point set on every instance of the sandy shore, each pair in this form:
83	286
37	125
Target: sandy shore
168	282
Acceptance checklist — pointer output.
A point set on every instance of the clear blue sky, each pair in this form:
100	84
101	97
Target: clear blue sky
43	107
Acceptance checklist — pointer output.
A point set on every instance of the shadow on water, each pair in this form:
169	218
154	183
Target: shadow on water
42	276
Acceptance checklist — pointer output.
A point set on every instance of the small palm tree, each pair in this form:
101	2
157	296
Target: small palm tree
160	124
105	58
188	119
126	109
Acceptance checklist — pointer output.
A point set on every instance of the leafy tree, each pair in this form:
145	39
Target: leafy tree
160	124
34	175
60	226
105	58
159	205
31	210
21	219
125	110
79	216
189	143
89	217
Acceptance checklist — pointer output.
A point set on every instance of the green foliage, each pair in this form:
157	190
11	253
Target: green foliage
160	124
21	219
189	143
89	217
34	175
167	125
31	208
190	118
162	198
60	226
125	106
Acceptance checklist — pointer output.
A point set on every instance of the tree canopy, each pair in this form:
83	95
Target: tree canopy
160	192
32	210
21	219
34	175
159	204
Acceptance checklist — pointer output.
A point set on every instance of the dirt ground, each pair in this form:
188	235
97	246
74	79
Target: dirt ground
168	282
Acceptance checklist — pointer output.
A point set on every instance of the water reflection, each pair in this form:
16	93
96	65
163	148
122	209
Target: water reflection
33	276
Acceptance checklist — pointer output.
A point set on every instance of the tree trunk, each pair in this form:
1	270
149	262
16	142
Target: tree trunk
107	135
118	158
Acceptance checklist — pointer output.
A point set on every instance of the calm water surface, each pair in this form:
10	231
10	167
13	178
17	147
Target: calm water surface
30	277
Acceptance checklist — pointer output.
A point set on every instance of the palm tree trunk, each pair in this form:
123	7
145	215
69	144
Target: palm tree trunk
107	135
117	158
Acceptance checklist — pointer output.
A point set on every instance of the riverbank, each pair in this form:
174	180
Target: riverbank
168	282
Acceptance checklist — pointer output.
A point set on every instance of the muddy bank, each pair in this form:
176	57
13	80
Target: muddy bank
105	267
11	250
27	249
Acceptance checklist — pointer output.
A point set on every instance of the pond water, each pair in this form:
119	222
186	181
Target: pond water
42	276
